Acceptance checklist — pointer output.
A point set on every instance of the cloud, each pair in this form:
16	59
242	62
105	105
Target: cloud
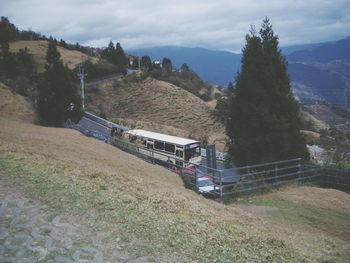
211	24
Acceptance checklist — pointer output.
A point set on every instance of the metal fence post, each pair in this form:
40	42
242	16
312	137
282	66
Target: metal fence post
221	197
196	178
276	173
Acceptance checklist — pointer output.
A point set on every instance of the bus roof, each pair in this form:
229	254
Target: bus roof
162	137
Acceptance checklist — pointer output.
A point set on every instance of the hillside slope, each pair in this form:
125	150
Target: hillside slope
147	207
39	48
158	103
15	107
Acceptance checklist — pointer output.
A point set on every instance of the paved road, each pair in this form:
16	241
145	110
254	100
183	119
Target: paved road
103	80
94	126
30	232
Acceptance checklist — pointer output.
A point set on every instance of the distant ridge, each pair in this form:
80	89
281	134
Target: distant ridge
322	73
323	53
217	67
318	71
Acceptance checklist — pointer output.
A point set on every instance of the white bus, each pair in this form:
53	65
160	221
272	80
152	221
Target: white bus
166	148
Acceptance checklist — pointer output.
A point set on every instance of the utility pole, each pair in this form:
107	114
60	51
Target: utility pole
82	75
139	60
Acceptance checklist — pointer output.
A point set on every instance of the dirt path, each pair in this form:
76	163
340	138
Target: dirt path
31	232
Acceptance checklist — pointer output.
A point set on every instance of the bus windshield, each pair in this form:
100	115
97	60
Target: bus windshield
191	153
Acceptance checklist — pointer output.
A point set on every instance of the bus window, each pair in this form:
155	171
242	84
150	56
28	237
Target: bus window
159	145
191	153
132	138
179	153
169	147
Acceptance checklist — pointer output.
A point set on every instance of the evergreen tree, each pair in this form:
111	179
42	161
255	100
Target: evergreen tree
184	68
8	31
146	64
58	97
121	59
109	52
25	63
264	122
167	65
8	62
230	87
52	56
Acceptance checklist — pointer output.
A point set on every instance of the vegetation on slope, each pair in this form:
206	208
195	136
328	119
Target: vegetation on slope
156	102
184	78
14	106
306	210
146	206
38	49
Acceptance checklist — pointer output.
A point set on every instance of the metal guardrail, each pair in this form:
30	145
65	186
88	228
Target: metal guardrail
336	178
227	182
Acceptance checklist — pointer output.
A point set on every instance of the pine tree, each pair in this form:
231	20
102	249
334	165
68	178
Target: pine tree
230	88
167	65
7	61
121	59
108	52
58	97
264	122
146	64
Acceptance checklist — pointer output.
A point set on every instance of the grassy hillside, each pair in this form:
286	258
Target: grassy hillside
188	80
311	123
331	116
14	106
300	212
150	211
158	106
39	48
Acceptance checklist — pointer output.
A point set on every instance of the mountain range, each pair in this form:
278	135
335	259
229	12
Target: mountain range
217	67
318	71
322	73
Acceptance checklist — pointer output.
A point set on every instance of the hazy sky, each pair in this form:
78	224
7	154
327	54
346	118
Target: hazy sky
220	24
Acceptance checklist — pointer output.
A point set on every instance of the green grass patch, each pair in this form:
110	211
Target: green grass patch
143	226
327	220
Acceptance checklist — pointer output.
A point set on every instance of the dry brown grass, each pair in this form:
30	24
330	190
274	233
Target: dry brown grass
39	48
311	137
121	195
13	106
317	124
325	115
161	103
